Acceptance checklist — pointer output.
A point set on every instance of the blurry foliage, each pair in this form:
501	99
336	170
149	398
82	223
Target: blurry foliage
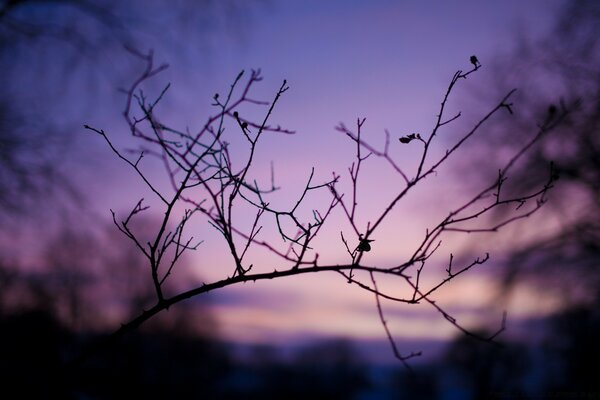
330	369
30	163
168	364
573	342
31	353
562	366
85	277
47	46
564	258
480	371
89	279
560	68
34	36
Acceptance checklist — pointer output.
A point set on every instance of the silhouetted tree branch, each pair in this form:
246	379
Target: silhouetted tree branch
208	182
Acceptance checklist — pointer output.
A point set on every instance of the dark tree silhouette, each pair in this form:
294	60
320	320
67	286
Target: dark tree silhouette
562	256
86	282
208	183
46	47
558	69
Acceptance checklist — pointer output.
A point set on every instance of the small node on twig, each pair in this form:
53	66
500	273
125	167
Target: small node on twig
551	113
364	244
449	269
350	276
409	138
508	106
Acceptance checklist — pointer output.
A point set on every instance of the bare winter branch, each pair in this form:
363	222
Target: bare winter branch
213	186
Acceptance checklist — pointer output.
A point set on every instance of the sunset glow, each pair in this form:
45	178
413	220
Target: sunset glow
162	162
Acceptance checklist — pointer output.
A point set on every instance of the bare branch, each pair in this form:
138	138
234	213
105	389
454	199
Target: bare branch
214	187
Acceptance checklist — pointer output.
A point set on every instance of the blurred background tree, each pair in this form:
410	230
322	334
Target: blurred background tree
561	68
63	283
561	258
49	50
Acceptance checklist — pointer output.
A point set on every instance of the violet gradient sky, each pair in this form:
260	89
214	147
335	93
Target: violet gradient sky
388	61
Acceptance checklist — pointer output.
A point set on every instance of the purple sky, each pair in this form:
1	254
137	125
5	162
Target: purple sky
388	61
